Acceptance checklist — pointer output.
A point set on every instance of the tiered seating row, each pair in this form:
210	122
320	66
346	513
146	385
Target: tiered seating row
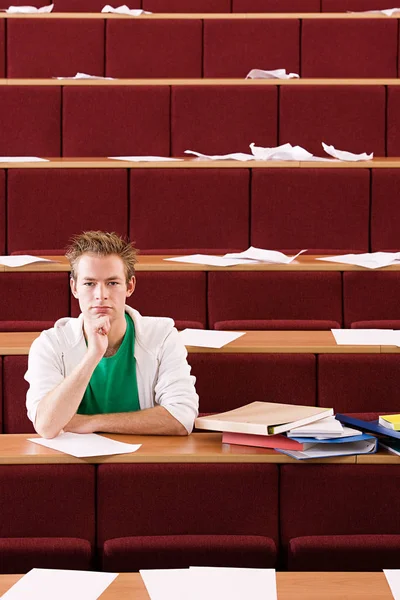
198	47
133	532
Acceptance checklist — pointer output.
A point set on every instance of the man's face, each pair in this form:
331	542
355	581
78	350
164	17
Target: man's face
101	286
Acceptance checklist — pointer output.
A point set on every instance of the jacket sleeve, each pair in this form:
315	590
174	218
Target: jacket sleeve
45	372
174	389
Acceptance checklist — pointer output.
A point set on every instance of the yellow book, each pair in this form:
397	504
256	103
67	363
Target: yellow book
390	421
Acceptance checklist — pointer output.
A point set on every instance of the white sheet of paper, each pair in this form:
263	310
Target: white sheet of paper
85	76
369	260
124	10
267	256
29	9
393	579
328	425
21	260
368	337
14	159
145	158
166	584
284	152
215	583
386	11
241	156
48	584
344	155
342	449
205	338
274	74
86	444
207	259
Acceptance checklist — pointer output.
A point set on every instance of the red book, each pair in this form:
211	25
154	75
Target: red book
261	441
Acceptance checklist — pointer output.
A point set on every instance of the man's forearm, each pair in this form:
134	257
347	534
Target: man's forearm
58	407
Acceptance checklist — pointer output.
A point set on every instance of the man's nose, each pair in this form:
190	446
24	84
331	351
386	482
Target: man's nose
102	291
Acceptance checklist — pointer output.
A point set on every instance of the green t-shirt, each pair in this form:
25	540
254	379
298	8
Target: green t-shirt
113	385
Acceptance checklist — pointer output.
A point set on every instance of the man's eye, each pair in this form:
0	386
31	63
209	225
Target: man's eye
113	283
88	283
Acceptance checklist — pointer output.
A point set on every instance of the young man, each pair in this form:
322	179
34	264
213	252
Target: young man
109	370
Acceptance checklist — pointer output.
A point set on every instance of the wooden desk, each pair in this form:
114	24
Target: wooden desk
290	586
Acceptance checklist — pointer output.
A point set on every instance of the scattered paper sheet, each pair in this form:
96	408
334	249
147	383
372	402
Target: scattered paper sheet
167	584
29	9
124	10
86	444
204	338
145	158
344	155
328	425
22	260
369	260
235	156
47	584
261	255
84	76
207	259
386	11
393	579
275	74
215	583
284	152
369	337
14	159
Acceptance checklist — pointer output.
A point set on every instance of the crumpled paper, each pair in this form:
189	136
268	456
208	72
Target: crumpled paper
344	155
234	156
84	76
124	10
389	12
276	74
284	152
29	9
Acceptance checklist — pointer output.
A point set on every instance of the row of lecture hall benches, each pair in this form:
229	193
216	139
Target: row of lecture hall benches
202	47
54	118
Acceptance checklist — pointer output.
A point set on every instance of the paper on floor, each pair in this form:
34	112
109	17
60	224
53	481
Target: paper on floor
167	584
233	156
261	255
29	9
124	10
207	259
368	337
344	155
145	158
232	583
386	11
86	444
84	76
22	260
14	159
205	338
369	260
274	74
284	152
393	579
47	584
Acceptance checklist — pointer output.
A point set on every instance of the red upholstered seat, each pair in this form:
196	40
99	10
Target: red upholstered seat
349	48
189	208
383	324
331	504
1	394
25	325
165	515
233	47
393	121
310	209
87	5
227	381
280	324
3	216
274	295
38	502
275	6
359	382
183	6
348	117
64	201
222	119
34	296
15	387
2	48
352	5
177	53
385	217
26	107
371	296
127	120
36	51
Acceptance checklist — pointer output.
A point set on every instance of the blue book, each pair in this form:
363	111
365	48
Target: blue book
372	426
339	440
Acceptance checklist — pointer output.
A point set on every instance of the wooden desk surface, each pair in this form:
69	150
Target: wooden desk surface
290	586
312	342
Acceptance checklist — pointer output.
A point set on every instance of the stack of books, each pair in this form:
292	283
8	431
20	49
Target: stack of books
387	427
299	431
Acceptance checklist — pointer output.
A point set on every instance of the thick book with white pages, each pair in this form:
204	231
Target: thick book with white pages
263	418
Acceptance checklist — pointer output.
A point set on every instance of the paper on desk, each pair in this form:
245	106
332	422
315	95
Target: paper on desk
393	579
284	152
234	156
124	10
344	155
167	584
327	425
84	76
215	583
386	11
207	259
86	444
22	260
205	338
14	159
261	255
368	337
29	9
47	584
274	74
145	158
369	260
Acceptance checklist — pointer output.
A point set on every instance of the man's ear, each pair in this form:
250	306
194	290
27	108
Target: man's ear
72	284
130	287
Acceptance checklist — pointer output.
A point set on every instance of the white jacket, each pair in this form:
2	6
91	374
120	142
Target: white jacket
163	374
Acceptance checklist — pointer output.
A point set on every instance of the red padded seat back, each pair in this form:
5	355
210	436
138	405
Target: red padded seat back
332	6
182	6
87	5
34	296
385	217
3	216
2	48
15	388
371	296
275	6
1	394
393	121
